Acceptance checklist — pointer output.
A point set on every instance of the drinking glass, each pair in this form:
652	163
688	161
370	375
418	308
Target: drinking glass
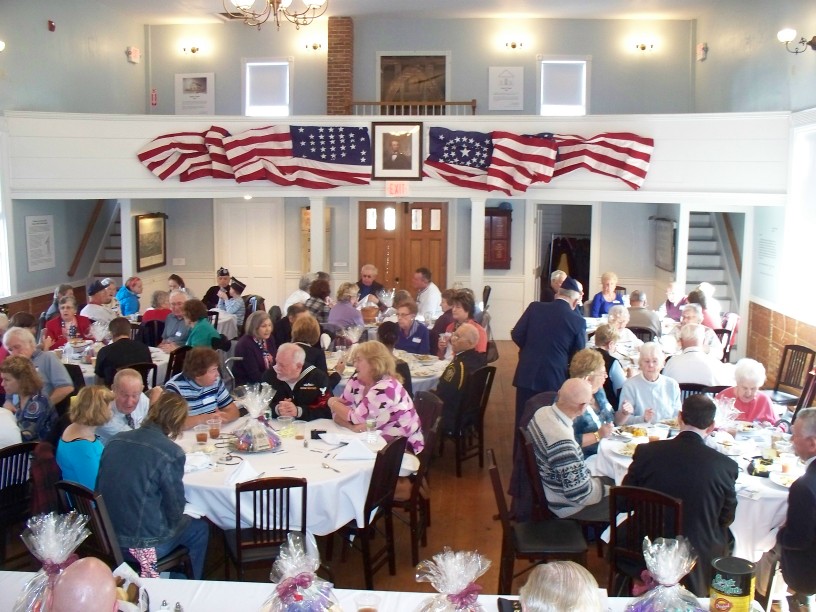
371	430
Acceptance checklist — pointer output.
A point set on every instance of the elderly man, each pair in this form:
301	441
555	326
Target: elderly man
702	477
556	278
201	386
87	584
428	295
452	382
129	405
222	282
114	306
694	365
640	316
368	285
121	352
96	309
547	336
693	314
301	294
57	383
571	491
301	391
176	329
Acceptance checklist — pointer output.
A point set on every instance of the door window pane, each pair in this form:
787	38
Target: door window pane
436	220
416	219
371	218
390	219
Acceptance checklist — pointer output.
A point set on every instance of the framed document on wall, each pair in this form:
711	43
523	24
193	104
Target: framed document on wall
151	241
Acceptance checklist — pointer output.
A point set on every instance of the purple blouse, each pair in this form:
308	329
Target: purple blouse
344	314
389	403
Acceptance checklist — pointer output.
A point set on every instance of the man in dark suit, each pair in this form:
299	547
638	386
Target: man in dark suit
798	537
452	382
394	159
702	477
547	334
120	353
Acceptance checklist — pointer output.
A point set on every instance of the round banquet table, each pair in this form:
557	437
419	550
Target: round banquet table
425	370
761	504
227	324
333	498
159	357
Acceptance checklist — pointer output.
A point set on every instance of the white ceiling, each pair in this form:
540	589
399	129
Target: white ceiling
203	11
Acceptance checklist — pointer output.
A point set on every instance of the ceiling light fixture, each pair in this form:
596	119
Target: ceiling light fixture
788	35
244	9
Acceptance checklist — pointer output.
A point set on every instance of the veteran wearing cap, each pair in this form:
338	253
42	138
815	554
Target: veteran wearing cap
96	308
223	280
230	300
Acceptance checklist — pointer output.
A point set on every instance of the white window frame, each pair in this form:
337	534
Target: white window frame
563	110
265	111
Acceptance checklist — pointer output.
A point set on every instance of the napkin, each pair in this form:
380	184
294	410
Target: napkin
196	462
243	473
355	449
338	438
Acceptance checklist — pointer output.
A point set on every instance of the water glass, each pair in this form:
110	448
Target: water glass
371	430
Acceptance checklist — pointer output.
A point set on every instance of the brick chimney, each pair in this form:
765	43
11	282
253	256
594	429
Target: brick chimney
340	65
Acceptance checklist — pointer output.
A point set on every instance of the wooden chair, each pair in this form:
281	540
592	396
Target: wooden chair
15	489
648	513
796	362
135	330
468	431
78	380
272	508
212	317
724	336
103	542
150	332
378	508
175	363
806	400
145	369
536	541
417	505
688	389
644	334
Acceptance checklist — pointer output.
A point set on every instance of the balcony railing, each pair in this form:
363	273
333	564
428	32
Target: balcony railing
428	107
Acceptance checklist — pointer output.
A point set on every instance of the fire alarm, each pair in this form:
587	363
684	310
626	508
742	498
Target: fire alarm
52	27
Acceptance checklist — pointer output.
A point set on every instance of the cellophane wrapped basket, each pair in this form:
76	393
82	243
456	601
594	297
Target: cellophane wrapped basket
298	588
52	538
667	560
256	436
454	575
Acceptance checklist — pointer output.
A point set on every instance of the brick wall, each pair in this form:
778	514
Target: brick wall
770	331
340	65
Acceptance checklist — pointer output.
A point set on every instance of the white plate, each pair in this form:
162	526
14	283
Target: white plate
410	464
622	449
783	480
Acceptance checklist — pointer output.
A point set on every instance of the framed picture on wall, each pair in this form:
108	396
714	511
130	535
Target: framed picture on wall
418	78
151	241
397	150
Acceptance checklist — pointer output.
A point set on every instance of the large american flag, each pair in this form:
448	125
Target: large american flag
498	161
316	157
618	154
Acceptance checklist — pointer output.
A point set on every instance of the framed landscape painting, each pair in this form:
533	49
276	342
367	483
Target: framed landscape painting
151	241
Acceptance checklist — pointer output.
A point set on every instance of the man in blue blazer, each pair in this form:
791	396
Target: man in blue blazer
547	334
798	537
702	477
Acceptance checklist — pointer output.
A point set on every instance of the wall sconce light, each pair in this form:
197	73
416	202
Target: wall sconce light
514	45
314	46
2	46
191	49
643	46
788	35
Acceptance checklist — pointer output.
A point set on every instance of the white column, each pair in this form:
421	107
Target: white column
317	234
128	241
477	236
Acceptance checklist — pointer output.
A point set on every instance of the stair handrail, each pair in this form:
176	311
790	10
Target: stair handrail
86	237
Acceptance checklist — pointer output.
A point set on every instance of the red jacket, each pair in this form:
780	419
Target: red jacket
54	329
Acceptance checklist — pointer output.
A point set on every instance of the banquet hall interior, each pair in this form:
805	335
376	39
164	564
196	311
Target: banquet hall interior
85	86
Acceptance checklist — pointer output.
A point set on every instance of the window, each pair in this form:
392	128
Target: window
267	87
563	86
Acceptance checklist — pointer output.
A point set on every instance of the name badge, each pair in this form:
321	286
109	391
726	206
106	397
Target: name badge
416	340
178	333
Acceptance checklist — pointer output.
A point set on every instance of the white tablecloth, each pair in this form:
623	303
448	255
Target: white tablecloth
160	358
213	596
756	521
227	324
333	499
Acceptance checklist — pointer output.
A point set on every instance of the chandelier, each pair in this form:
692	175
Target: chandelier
245	10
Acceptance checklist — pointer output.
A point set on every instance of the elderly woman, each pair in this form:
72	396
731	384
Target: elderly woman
25	398
147	506
79	448
596	421
560	585
59	292
202	333
606	298
256	350
316	304
653	397
413	335
619	319
375	392
56	382
709	320
693	315
748	399
442	322
388	333
344	313
68	325
306	334
159	307
606	339
463	309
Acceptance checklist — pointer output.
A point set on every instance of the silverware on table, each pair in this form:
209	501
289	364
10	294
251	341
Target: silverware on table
328	467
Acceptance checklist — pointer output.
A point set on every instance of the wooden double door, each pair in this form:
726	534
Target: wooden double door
399	237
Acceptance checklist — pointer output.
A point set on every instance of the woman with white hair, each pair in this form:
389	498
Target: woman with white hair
560	585
344	313
653	396
752	404
606	298
619	319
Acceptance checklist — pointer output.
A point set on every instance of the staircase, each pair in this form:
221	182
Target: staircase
706	261
109	262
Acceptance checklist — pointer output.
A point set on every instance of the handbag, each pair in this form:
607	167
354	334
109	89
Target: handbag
492	350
